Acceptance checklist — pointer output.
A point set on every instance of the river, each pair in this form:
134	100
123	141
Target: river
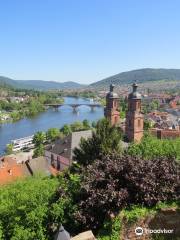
48	119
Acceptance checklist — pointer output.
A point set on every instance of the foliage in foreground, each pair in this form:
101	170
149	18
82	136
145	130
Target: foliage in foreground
111	229
115	182
151	147
30	208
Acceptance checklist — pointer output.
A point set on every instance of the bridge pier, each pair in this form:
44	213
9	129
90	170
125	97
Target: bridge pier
92	108
75	110
56	108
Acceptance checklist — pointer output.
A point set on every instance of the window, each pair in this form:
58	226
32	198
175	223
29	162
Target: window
52	160
58	163
116	119
129	123
139	105
139	122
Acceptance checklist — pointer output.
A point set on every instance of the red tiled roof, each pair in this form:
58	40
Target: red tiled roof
10	170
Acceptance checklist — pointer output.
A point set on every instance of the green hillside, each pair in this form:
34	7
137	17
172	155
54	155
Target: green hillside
141	76
38	84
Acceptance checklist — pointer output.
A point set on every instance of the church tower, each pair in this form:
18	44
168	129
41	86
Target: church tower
134	117
111	111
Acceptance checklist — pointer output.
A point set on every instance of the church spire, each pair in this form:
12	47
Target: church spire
111	111
134	117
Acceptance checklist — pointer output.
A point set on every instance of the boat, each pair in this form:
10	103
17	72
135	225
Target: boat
21	143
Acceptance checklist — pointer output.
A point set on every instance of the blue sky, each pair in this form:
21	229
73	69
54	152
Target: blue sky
87	40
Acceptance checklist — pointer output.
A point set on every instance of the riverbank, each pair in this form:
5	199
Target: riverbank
48	119
25	104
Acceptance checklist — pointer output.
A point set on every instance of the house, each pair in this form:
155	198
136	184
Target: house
11	169
60	154
39	165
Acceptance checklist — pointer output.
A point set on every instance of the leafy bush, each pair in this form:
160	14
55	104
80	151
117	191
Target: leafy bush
151	147
52	134
111	229
24	208
105	139
32	209
115	182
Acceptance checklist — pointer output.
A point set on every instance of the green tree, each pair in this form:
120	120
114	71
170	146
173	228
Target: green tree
39	138
105	139
52	134
77	126
35	107
15	116
147	124
154	105
39	151
26	209
94	124
86	124
151	147
34	207
66	129
9	148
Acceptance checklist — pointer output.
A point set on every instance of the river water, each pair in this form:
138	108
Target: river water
48	119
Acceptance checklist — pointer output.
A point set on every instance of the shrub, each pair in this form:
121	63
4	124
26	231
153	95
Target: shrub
151	147
105	139
25	208
115	182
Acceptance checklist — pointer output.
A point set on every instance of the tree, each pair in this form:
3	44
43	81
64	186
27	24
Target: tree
66	129
116	181
39	151
34	207
28	209
9	148
34	107
77	126
52	134
151	147
105	139
154	105
147	125
39	138
86	124
94	124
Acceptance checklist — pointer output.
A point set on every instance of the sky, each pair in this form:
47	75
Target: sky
86	40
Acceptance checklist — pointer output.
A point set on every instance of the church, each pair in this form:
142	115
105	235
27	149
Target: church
134	117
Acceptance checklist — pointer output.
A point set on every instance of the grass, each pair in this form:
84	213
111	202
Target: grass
112	228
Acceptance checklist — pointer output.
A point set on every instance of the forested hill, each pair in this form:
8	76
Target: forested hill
38	84
141	76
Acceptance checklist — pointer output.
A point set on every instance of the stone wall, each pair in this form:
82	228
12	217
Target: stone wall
88	235
168	219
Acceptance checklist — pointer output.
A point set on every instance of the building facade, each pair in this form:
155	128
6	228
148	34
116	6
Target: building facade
134	117
111	111
60	154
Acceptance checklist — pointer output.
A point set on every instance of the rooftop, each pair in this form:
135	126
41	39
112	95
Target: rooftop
111	93
10	170
65	146
135	94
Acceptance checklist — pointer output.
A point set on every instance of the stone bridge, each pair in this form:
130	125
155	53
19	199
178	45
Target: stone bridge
74	105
